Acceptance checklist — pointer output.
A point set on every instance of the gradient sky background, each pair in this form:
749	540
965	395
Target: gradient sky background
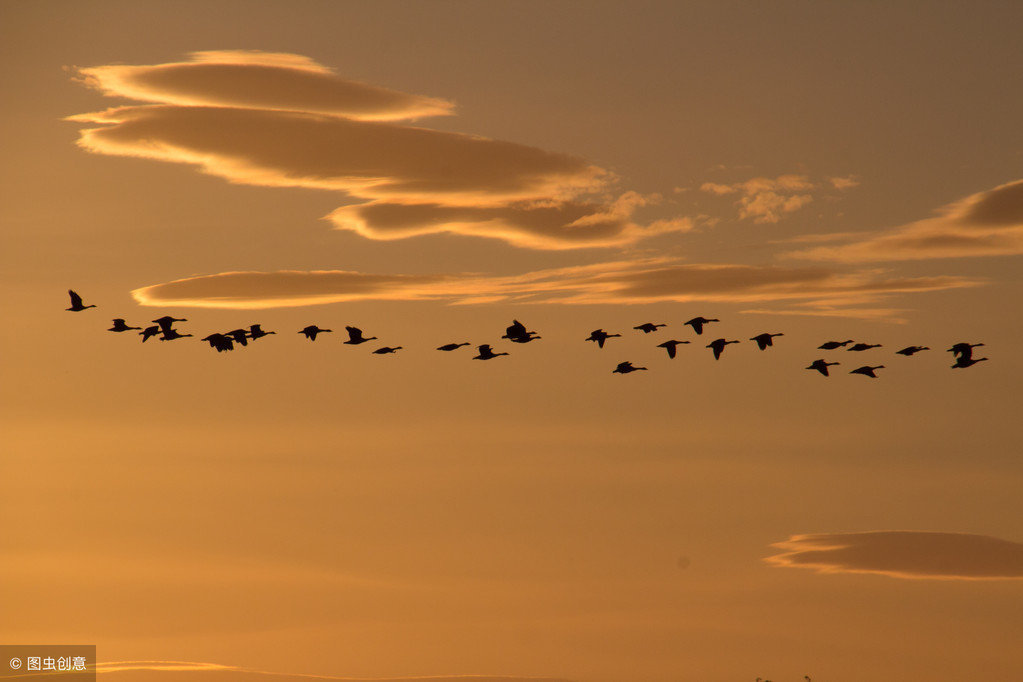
826	170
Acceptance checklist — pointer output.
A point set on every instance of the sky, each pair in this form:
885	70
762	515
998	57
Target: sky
429	172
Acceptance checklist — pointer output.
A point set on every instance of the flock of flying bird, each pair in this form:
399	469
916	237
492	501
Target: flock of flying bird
163	327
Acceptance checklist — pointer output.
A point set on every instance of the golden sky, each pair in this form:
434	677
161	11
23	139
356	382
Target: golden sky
430	172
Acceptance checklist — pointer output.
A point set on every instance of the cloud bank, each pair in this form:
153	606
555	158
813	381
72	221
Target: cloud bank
905	554
767	200
285	121
988	223
642	281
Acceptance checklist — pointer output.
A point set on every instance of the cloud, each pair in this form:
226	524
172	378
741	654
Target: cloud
283	120
988	223
641	281
905	554
539	225
767	200
259	80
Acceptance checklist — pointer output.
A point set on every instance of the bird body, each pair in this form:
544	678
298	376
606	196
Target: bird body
239	336
764	340
867	371
963	350
718	346
697	323
671	347
516	332
910	350
312	330
172	334
863	346
386	349
355	336
821	366
76	303
166	323
832	345
149	332
964	362
221	342
486	353
648	327
120	326
256	332
625	368
600	336
452	346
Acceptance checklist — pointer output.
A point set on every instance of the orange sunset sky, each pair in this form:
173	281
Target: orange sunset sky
431	171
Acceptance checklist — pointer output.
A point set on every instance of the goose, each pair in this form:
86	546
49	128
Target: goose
486	353
867	371
671	347
909	350
863	346
312	330
964	350
149	332
764	340
120	326
221	342
600	336
167	321
256	332
718	346
76	303
239	336
625	368
832	345
516	332
648	327
355	336
963	362
822	366
452	346
172	334
697	323
386	349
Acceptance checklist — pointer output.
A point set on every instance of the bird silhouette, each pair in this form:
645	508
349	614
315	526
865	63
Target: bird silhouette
120	326
963	350
867	371
149	332
256	332
516	332
697	323
648	327
172	334
166	324
312	330
832	345
386	349
764	340
76	303
671	347
452	346
863	346
625	368
962	362
600	336
910	350
718	346
822	366
221	342
355	336
239	336
486	353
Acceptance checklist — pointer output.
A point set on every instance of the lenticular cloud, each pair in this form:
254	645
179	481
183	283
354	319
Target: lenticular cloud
284	120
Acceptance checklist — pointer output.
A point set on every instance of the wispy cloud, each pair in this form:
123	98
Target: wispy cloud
904	554
641	281
767	200
988	223
285	121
